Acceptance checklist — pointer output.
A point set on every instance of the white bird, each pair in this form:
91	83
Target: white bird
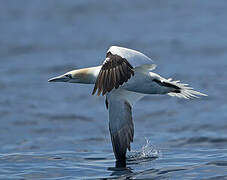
125	77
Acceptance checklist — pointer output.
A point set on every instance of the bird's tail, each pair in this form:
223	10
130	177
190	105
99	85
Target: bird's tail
183	90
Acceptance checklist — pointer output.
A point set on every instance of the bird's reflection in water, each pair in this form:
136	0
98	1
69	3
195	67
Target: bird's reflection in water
121	171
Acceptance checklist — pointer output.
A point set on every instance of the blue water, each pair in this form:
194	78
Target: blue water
60	131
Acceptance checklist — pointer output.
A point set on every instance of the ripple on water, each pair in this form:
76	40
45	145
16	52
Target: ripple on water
199	140
218	163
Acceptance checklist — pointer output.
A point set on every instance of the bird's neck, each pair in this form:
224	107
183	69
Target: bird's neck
88	75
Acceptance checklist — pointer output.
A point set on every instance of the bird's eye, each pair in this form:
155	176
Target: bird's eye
68	76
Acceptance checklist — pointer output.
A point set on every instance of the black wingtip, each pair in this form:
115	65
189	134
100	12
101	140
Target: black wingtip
93	92
95	88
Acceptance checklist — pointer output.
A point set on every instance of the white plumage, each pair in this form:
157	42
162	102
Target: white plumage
125	77
135	58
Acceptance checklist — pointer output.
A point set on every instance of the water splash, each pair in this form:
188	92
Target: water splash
146	153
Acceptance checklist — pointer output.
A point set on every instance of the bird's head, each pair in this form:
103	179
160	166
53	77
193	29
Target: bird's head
85	76
70	77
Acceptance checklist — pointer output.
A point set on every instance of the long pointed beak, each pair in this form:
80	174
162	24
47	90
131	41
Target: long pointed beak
61	78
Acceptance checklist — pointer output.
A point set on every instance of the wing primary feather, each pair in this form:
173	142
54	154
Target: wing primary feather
96	85
105	82
94	90
114	77
110	83
122	74
100	82
118	78
125	69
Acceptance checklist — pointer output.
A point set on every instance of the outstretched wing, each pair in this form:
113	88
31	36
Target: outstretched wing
121	127
114	72
120	121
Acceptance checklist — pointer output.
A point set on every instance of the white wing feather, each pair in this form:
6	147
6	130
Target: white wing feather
135	58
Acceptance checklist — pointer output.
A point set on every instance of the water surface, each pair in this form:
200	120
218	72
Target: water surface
60	131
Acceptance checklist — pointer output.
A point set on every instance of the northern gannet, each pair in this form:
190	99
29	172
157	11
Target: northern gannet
125	77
